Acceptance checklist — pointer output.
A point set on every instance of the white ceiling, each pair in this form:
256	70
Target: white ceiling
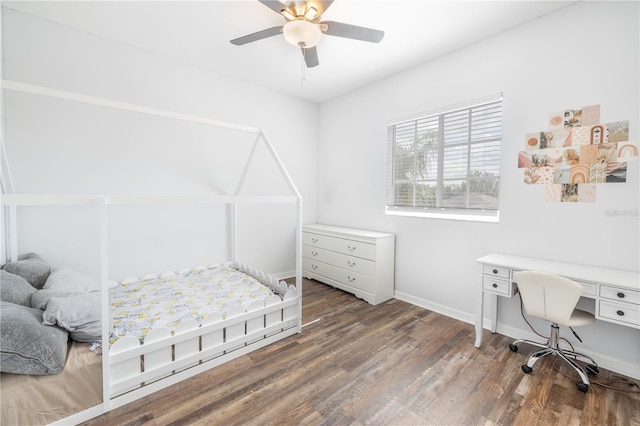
198	32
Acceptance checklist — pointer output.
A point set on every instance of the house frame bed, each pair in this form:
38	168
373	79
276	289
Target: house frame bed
131	370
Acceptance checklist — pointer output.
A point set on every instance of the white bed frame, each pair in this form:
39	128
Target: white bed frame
193	349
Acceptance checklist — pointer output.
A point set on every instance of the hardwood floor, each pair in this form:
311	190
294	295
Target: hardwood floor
394	363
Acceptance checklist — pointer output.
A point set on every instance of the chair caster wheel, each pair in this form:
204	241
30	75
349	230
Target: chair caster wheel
527	369
513	347
582	387
592	369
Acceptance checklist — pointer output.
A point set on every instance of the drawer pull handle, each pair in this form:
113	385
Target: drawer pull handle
620	313
350	263
315	253
314	266
314	240
351	248
494	285
495	271
621	295
350	279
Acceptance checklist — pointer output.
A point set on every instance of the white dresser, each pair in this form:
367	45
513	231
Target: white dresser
360	262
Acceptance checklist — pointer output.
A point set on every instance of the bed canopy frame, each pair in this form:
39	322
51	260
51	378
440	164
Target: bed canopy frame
253	329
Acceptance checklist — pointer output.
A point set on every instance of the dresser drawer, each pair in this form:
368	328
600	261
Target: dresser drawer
501	287
497	271
355	264
352	279
316	240
628	296
622	312
340	245
316	267
354	248
316	253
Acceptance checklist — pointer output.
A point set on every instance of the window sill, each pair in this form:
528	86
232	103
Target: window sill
486	216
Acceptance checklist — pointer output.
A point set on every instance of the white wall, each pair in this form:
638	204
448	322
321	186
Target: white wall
336	153
583	55
58	146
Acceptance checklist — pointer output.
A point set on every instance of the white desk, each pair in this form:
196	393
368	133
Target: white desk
616	292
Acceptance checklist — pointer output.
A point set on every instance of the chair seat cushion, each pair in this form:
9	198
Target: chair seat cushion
580	317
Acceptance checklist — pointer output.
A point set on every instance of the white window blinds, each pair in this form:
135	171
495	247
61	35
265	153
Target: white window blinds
448	161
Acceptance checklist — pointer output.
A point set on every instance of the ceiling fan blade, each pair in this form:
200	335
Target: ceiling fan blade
310	57
274	5
269	32
339	29
322	5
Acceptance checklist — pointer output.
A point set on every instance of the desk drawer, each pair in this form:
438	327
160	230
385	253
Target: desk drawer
501	287
497	271
622	312
621	295
588	289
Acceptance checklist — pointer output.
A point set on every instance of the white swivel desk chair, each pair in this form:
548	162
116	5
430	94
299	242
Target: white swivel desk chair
554	299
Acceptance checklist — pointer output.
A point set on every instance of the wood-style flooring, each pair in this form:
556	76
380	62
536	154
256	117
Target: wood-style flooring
391	364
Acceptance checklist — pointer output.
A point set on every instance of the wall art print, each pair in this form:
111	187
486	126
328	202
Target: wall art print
576	153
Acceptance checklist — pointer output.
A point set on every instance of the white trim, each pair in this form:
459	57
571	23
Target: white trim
449	108
488	216
247	165
280	165
436	307
103	229
6	181
92	100
50	200
81	416
75	200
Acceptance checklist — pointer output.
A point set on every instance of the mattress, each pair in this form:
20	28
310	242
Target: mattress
39	400
138	306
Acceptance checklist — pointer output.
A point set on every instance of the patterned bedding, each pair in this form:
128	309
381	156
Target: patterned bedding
166	301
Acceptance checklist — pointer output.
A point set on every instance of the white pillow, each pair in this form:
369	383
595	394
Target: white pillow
65	279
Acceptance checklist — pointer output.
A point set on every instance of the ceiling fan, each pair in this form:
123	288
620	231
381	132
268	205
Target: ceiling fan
303	27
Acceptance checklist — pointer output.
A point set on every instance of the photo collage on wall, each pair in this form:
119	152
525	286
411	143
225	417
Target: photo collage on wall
576	153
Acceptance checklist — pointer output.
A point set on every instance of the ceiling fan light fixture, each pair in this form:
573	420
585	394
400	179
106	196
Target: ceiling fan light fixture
288	15
311	13
302	33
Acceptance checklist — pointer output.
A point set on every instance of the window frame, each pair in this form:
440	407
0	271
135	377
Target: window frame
454	213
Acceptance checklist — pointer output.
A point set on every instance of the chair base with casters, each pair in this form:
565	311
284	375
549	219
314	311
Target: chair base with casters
554	298
552	348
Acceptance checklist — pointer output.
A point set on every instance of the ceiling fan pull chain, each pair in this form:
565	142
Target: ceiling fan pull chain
302	67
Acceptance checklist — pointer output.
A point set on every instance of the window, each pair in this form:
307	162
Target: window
447	164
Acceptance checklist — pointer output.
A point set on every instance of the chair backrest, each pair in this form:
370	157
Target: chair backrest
548	296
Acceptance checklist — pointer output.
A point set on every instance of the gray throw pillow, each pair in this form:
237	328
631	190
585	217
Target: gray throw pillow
15	289
77	312
27	346
31	267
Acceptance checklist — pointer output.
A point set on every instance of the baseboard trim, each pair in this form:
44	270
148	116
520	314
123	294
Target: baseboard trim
604	361
435	307
285	275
